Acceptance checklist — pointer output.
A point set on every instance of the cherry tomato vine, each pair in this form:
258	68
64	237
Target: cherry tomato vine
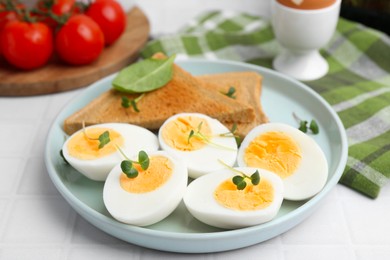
75	32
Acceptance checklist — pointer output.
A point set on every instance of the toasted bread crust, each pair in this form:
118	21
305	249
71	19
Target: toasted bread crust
184	93
248	86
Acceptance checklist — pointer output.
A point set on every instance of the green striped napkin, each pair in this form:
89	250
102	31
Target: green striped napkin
357	85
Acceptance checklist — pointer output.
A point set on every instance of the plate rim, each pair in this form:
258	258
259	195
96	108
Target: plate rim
308	207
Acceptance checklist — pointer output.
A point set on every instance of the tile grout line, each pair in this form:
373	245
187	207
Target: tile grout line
11	198
25	155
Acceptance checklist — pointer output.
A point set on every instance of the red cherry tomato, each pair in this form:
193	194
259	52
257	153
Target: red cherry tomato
63	6
26	45
56	7
111	18
79	41
7	15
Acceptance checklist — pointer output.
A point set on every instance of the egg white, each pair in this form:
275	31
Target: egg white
135	139
204	160
200	202
143	209
312	173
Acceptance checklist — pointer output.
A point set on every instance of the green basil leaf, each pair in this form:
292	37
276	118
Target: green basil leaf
145	75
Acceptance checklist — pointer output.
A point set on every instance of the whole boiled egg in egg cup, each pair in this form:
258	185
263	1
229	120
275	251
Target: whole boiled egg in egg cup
288	152
84	152
214	199
149	197
200	141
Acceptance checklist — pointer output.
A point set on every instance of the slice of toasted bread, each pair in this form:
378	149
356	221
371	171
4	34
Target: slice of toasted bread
184	93
247	87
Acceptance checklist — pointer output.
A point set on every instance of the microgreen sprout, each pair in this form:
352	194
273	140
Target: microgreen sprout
232	133
314	127
63	157
303	125
230	93
103	139
127	165
126	102
197	133
239	180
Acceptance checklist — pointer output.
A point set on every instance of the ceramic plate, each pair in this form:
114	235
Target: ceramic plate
180	232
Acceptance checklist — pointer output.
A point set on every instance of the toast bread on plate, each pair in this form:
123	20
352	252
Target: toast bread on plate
247	86
183	93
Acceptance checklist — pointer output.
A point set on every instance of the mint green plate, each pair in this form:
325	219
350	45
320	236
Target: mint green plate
180	232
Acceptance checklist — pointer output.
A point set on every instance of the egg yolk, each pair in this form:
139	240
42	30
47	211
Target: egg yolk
253	197
86	146
159	171
176	133
274	151
307	4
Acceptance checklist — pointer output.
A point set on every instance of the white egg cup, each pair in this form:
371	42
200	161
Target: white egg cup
302	33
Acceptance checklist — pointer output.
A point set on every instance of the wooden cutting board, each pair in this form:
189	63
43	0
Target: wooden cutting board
57	76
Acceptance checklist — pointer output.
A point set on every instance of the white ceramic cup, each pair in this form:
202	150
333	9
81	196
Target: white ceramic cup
302	33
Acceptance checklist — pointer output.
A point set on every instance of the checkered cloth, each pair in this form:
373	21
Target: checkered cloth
357	85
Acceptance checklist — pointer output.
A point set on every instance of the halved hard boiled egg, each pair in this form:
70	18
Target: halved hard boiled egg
82	149
288	152
199	140
149	197
215	200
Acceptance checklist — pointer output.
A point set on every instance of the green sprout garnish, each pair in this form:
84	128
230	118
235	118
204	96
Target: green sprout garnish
63	157
232	133
103	139
231	92
127	165
197	133
239	180
126	102
314	127
303	125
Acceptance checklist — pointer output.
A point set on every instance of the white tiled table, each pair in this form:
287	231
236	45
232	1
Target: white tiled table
37	223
